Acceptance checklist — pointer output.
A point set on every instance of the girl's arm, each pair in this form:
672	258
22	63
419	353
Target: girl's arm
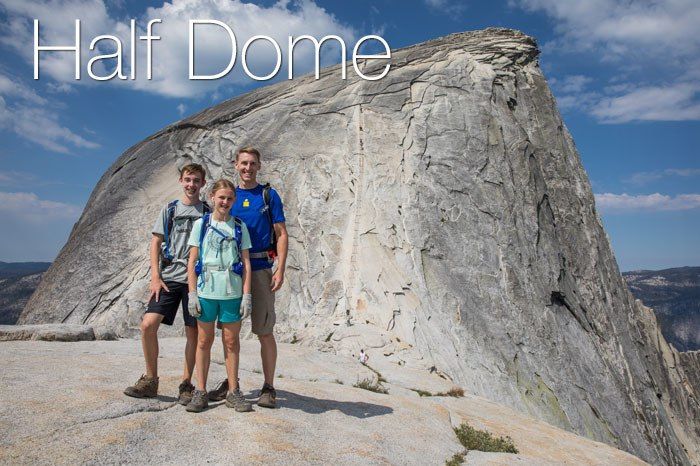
247	270
191	276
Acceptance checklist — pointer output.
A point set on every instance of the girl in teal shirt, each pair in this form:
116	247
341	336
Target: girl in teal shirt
219	290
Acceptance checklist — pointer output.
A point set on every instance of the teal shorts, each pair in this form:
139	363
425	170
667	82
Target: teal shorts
228	311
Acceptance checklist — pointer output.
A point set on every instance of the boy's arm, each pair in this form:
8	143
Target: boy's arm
282	246
157	283
191	276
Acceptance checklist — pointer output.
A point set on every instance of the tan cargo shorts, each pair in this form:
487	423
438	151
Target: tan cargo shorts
263	316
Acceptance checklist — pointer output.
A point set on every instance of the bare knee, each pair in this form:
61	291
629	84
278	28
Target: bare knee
149	326
232	343
267	339
205	341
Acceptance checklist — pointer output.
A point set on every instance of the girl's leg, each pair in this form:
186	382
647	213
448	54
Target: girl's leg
205	339
230	335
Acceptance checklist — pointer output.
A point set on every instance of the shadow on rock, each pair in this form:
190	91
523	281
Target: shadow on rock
312	405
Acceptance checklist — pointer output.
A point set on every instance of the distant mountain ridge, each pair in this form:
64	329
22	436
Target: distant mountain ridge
18	280
18	269
674	294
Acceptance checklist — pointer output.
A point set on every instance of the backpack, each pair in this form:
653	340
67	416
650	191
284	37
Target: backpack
272	248
170	219
236	268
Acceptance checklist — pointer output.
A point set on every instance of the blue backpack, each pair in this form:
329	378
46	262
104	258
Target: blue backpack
236	268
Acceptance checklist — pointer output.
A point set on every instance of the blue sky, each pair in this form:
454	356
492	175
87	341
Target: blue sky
626	76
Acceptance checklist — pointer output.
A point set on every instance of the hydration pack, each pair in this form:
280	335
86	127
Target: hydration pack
167	258
237	267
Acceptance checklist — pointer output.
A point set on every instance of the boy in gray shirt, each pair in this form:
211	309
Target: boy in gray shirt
168	254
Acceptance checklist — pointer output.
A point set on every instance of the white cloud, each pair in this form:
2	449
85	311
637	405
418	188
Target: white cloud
13	87
571	83
642	178
675	102
170	54
608	202
181	108
38	124
654	43
28	207
445	6
31	117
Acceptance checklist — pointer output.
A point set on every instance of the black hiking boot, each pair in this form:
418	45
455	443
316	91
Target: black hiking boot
267	396
219	393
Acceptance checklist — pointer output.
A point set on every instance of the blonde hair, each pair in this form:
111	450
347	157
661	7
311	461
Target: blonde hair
223	184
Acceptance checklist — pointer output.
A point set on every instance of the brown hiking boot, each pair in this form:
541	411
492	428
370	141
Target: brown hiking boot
145	387
185	392
199	402
267	396
219	393
237	401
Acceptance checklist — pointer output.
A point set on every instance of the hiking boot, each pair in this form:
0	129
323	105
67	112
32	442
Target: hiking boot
145	387
185	392
267	396
199	402
219	393
236	401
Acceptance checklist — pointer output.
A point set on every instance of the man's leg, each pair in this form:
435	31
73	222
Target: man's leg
149	342
268	354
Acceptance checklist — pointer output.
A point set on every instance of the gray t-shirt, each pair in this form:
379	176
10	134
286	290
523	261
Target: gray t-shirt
184	218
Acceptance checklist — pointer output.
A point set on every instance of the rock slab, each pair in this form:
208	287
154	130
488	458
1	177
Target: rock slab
85	419
439	217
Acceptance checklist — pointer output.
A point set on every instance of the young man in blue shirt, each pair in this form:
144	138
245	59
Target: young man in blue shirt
262	220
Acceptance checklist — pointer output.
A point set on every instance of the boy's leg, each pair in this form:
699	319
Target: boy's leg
263	321
191	335
190	353
149	342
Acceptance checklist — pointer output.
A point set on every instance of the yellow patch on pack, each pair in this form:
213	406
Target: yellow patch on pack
246	203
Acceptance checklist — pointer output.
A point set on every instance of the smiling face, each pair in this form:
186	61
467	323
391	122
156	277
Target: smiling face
191	182
222	199
247	165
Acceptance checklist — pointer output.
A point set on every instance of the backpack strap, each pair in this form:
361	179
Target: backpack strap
169	218
237	268
272	247
199	266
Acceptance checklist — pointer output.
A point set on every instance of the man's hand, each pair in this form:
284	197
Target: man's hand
156	285
193	306
277	280
246	306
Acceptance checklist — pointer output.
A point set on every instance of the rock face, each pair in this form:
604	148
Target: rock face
322	418
439	217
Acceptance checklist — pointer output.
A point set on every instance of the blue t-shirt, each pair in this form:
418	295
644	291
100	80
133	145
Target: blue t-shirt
250	207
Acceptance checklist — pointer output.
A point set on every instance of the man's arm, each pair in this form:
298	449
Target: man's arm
156	282
282	245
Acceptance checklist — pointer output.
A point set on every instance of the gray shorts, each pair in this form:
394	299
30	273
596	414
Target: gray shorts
263	317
